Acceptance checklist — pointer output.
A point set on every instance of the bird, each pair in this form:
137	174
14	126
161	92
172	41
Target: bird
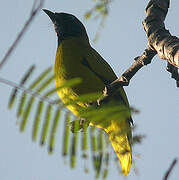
75	58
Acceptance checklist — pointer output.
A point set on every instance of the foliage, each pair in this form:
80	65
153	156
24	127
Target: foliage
50	112
99	11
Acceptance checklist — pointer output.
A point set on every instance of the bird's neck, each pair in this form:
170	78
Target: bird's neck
81	39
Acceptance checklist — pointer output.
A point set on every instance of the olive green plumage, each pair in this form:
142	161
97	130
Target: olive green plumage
76	58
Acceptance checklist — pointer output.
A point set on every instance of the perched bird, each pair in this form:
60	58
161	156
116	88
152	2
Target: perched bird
76	58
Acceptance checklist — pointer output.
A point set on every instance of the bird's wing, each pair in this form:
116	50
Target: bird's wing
118	130
95	63
99	65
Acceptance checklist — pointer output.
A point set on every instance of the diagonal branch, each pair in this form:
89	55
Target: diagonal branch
124	80
170	169
33	13
160	42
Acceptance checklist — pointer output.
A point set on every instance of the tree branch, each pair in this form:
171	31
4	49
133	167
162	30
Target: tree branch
138	63
174	72
160	42
160	39
33	13
124	80
170	169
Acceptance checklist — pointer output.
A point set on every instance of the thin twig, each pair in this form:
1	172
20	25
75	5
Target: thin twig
29	91
170	169
139	62
33	13
33	6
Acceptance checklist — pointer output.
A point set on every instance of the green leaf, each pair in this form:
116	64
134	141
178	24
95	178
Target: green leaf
45	84
94	151
106	156
27	75
46	125
106	162
37	120
99	156
23	81
26	114
69	83
100	141
74	145
32	86
66	134
21	105
54	130
40	78
93	140
84	143
31	101
88	15
91	97
100	7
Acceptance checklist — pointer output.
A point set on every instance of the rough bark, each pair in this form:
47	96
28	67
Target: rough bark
160	39
160	42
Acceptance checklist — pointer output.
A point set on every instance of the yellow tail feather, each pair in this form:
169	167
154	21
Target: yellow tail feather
121	141
125	157
125	161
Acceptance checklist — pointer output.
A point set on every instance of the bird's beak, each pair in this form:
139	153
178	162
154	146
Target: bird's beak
50	14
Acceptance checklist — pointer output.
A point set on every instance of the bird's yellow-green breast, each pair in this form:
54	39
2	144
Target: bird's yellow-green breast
76	58
68	65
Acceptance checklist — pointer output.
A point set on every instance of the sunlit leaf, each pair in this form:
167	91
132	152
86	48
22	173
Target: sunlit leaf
69	83
87	98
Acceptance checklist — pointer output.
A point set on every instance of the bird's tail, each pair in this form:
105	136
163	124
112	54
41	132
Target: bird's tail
121	142
125	161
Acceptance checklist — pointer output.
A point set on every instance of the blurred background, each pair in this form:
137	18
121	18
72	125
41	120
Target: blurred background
121	39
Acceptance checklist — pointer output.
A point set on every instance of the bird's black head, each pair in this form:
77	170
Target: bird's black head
66	25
